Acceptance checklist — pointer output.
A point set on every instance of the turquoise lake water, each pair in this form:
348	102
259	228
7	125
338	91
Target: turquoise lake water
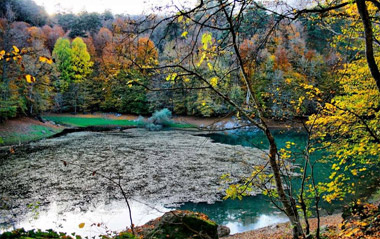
257	211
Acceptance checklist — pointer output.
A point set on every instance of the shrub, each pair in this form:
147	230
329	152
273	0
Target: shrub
162	117
159	120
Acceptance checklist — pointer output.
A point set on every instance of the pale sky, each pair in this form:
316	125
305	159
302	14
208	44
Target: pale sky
116	6
133	7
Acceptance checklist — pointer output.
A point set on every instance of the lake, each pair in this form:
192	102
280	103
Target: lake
158	170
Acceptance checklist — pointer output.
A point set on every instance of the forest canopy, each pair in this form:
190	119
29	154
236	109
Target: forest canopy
116	47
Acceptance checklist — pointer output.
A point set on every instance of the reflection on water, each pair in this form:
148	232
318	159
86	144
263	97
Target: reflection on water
247	214
261	221
240	215
112	217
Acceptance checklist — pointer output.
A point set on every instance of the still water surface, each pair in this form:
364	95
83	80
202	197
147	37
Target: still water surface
247	214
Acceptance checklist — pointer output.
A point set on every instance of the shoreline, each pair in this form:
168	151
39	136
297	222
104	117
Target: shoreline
24	130
283	230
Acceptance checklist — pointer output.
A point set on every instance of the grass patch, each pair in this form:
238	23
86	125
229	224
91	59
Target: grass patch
84	122
35	132
181	125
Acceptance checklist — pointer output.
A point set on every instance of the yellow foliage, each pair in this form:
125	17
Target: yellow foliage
30	79
202	59
206	40
184	34
15	49
210	67
171	77
2	53
45	59
214	81
352	120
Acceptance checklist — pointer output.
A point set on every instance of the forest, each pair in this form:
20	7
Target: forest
98	60
260	62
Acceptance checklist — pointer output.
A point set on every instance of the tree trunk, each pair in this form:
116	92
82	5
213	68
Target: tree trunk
289	206
290	209
368	34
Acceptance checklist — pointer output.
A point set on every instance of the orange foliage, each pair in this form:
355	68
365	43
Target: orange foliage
90	46
282	61
146	51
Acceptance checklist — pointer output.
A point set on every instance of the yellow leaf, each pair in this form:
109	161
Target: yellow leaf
184	34
2	53
171	77
30	79
45	59
81	225
16	49
180	18
210	66
201	60
206	39
288	80
214	81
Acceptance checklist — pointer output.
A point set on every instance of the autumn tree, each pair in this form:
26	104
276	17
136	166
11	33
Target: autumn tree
346	125
74	65
10	102
52	34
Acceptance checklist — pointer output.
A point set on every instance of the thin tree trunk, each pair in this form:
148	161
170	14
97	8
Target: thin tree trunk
302	199
289	207
368	34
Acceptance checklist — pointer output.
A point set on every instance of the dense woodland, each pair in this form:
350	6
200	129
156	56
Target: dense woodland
221	57
96	56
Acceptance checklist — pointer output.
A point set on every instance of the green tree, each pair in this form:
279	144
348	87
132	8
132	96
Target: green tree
62	55
75	65
80	60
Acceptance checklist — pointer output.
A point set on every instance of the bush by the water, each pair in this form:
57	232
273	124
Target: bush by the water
157	121
162	117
